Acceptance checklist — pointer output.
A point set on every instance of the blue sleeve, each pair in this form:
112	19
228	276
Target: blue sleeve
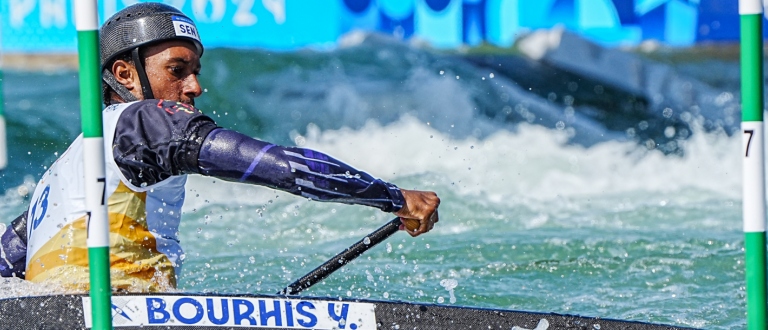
156	139
233	156
13	248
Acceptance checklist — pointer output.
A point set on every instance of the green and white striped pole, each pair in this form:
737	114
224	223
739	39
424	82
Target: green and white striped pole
751	12
87	23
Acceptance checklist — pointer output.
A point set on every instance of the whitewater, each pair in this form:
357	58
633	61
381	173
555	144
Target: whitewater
545	205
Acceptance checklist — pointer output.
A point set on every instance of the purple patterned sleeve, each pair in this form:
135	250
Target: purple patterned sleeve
13	248
236	157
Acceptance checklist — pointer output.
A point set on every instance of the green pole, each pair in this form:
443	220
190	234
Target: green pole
751	12
87	23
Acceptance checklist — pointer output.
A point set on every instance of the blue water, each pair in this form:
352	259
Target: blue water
562	191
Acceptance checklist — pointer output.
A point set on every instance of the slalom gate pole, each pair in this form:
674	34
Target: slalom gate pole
87	23
751	15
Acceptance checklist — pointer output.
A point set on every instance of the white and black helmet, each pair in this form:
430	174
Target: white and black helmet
140	25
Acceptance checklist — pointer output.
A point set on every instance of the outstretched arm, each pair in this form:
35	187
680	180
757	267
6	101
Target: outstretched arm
156	139
234	156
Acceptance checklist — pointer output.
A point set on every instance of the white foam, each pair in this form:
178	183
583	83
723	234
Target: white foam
528	165
352	38
11	287
538	43
533	162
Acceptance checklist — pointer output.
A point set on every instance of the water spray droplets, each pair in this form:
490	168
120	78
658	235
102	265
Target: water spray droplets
449	284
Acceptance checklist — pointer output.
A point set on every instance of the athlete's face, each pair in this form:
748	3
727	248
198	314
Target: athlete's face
172	69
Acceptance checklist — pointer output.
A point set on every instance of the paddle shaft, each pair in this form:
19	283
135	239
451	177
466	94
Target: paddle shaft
341	259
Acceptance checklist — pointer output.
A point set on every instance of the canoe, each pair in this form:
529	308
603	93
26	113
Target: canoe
206	311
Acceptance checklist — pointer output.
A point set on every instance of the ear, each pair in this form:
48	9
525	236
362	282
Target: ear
125	74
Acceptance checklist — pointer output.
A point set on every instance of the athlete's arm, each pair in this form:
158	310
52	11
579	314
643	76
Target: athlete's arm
155	140
233	156
13	248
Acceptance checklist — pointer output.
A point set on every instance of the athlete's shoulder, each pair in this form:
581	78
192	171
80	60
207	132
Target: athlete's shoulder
164	106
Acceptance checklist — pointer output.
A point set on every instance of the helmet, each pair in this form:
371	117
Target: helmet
145	23
139	25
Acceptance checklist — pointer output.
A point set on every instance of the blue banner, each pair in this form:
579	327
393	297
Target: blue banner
48	25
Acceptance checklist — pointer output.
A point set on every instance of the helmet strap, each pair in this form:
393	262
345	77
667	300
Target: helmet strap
109	78
146	89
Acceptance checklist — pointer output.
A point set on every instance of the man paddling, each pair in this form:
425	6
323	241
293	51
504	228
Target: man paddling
154	137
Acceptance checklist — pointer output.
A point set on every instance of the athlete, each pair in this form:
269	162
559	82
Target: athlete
154	136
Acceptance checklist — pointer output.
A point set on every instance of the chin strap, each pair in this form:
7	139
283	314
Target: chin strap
146	90
109	78
125	94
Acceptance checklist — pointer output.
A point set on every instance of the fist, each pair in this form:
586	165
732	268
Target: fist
419	214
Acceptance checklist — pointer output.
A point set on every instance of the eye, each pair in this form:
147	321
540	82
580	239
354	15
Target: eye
178	70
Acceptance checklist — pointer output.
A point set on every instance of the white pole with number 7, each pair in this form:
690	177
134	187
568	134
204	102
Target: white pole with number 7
751	12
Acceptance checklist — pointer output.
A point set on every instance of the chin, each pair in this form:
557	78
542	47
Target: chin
190	102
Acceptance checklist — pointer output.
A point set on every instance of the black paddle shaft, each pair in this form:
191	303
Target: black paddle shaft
341	259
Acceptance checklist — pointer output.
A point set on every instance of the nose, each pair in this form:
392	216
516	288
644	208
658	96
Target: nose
192	87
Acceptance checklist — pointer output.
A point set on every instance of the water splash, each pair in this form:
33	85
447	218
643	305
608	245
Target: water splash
449	285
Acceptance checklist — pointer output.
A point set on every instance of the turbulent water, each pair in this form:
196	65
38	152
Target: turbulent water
562	190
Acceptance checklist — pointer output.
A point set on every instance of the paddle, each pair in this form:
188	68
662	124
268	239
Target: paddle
341	259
